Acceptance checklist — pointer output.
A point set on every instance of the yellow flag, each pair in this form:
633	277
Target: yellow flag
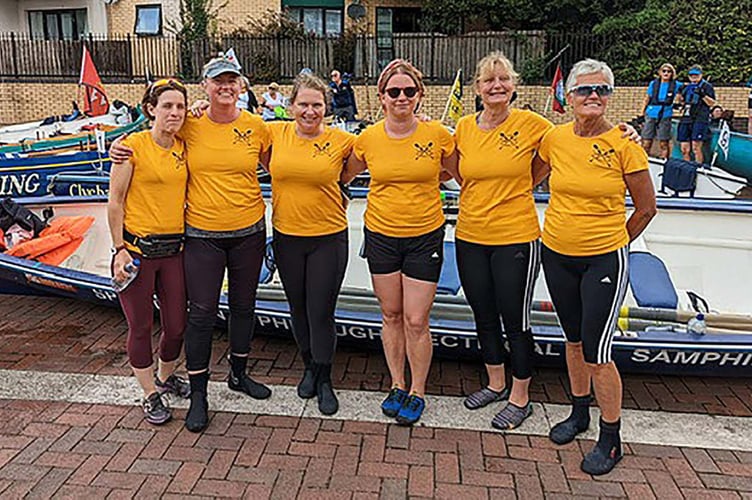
455	98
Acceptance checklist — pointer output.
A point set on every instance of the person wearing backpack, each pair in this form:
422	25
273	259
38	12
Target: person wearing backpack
658	109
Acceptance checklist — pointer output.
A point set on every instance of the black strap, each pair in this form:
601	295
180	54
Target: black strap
130	238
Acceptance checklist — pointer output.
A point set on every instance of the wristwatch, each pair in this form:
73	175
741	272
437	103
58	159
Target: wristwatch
115	250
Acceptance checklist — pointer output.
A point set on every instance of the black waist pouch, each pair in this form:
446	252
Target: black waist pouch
156	246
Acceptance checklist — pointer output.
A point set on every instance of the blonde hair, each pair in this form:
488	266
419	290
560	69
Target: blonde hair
312	82
400	67
491	62
669	66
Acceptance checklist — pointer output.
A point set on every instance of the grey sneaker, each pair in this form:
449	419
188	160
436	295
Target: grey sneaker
485	397
155	411
177	386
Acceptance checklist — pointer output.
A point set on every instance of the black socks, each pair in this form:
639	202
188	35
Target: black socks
197	417
241	382
577	422
328	403
607	451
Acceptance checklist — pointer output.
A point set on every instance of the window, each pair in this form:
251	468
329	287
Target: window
66	24
406	20
319	20
148	20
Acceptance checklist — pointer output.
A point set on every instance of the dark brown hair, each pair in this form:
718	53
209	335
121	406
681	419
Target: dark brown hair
156	89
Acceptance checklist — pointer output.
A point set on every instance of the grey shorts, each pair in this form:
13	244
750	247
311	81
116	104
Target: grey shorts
655	129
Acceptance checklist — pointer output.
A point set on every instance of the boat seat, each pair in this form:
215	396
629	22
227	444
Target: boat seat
449	279
679	176
268	266
651	284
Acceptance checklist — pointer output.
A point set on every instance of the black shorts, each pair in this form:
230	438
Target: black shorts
418	257
587	293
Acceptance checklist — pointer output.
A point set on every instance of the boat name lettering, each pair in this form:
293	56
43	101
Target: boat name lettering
23	184
548	350
38	280
83	190
102	294
692	358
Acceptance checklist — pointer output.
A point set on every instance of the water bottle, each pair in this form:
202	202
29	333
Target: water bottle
697	325
132	270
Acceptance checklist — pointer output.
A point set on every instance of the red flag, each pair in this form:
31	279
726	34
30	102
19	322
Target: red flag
95	101
557	89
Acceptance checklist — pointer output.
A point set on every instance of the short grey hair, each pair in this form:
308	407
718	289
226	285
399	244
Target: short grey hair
588	67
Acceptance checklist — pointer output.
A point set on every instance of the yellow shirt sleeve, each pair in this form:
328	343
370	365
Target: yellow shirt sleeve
633	158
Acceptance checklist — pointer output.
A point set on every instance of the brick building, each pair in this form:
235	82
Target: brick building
70	19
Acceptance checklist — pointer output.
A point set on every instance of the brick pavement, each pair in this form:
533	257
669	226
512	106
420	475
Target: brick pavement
53	334
63	450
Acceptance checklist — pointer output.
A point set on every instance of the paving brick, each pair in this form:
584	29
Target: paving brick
125	457
250	452
67	441
186	477
317	473
357	427
704	494
339	438
118	479
75	419
552	478
220	464
720	482
447	491
355	483
638	491
49	484
153	487
15	442
181	453
283	462
601	489
217	488
408	457
307	430
287	484
158	467
23	472
447	468
87	492
528	487
160	442
33	451
253	475
61	460
663	484
683	474
399	437
97	448
312	450
219	442
259	492
86	473
510	465
383	469
346	460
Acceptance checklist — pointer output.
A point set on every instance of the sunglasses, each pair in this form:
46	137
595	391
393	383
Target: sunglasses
603	90
394	92
666	71
171	82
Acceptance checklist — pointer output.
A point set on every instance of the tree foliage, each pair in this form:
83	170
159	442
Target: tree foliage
197	24
716	34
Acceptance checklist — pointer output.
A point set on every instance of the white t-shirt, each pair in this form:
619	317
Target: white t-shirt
279	100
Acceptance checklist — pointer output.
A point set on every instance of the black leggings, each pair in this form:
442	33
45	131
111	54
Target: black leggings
205	263
498	281
312	269
587	293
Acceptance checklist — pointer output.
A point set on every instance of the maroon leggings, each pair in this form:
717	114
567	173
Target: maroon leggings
165	275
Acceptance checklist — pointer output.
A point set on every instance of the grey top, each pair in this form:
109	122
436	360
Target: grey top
257	227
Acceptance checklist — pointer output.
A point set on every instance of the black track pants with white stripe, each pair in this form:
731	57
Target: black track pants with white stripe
587	293
498	281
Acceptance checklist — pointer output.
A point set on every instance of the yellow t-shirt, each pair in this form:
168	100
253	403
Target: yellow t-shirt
155	201
404	198
586	214
306	199
223	190
496	201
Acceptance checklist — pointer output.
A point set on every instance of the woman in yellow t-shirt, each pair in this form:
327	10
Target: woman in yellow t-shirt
225	230
147	197
586	237
497	237
310	229
404	228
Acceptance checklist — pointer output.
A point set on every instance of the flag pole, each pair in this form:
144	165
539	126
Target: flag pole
449	99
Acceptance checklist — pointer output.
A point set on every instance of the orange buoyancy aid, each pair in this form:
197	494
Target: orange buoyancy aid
57	242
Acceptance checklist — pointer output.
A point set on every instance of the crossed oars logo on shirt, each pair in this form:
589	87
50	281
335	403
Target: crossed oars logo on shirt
423	151
179	159
322	149
244	137
509	140
602	156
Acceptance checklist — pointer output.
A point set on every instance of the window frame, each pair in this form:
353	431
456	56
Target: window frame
76	35
300	11
142	7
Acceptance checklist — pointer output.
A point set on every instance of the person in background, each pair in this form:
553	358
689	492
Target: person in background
586	236
344	105
247	99
146	201
697	97
310	229
404	228
270	101
658	108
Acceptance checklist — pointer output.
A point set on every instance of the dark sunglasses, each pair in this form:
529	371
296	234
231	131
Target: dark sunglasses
394	92
603	90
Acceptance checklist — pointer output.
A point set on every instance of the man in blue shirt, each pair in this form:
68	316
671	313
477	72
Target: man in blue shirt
658	109
343	98
697	97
